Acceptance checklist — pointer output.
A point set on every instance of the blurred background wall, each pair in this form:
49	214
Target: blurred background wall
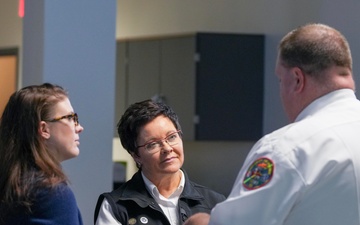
212	163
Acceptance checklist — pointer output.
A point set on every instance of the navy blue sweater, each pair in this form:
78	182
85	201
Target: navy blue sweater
51	207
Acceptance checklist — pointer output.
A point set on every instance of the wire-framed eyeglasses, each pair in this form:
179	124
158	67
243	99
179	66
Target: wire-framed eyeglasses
72	116
155	146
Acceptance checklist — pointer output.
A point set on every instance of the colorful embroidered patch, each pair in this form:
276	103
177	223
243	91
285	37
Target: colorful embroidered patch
259	174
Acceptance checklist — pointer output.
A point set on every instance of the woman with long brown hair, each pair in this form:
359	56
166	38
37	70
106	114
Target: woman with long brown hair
38	130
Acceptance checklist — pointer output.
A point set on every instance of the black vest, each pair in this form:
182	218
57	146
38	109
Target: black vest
133	205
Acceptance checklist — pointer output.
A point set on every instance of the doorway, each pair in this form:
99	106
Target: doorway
8	75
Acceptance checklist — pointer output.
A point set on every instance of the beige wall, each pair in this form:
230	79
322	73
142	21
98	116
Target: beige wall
155	17
10	24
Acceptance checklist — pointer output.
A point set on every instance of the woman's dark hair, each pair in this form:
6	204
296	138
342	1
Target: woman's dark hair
139	114
25	162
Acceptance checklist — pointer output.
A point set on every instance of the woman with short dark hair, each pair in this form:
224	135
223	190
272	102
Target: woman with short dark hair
160	193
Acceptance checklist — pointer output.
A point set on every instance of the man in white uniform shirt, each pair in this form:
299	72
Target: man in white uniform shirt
307	172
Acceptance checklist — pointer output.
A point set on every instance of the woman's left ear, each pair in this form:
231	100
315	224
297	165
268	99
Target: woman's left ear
44	130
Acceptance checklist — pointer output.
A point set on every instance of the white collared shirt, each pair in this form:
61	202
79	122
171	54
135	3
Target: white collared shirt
313	166
168	205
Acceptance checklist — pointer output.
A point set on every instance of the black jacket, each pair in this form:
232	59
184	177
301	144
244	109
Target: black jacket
132	203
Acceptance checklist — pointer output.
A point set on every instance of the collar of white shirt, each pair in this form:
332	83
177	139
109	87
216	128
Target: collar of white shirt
168	205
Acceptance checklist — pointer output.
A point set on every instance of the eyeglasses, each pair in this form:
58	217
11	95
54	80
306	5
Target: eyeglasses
72	116
155	146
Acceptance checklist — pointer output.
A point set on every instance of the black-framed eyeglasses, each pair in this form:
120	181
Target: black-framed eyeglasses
72	116
155	146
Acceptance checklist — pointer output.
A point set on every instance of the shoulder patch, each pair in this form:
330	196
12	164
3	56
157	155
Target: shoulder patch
259	174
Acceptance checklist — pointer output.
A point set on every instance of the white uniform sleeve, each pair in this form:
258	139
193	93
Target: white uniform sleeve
268	204
106	215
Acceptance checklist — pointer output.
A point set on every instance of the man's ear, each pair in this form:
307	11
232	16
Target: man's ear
300	79
44	130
